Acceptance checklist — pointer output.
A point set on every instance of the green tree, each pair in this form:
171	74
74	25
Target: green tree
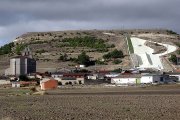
117	54
63	58
23	78
83	59
114	54
173	58
6	49
19	48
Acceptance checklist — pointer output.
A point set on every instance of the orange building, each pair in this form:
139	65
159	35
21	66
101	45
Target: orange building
48	83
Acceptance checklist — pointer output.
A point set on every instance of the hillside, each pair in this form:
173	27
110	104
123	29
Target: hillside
48	47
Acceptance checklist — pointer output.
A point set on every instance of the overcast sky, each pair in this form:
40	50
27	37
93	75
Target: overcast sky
21	16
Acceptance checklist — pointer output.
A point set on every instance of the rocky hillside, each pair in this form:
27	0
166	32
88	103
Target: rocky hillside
49	48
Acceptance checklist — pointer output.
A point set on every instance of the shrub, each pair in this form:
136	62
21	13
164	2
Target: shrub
19	48
114	54
63	58
86	41
131	49
6	49
173	58
117	70
41	51
117	61
83	59
23	78
98	62
171	32
178	52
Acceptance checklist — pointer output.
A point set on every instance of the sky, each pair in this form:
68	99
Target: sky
21	16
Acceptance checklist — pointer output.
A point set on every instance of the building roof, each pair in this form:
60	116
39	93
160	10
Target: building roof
129	76
46	79
74	74
68	78
172	73
153	74
57	73
23	57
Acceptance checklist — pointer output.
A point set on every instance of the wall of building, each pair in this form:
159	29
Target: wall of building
21	66
31	65
50	84
146	79
124	80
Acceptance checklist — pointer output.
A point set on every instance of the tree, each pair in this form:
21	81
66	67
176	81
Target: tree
63	58
117	61
19	48
23	78
83	59
117	54
6	49
173	58
114	54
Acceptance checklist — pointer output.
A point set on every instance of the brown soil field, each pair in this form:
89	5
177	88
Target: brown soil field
121	103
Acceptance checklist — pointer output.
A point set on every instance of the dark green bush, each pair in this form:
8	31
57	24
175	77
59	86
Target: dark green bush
6	49
114	54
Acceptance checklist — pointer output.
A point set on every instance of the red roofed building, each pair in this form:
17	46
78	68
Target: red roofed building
48	83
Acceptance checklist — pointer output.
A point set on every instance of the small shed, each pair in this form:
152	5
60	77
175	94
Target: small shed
48	83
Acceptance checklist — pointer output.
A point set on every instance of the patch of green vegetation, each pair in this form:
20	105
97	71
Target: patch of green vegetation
19	48
83	59
6	49
173	58
63	58
117	70
99	62
86	41
171	32
114	54
178	52
177	43
41	51
131	49
23	78
38	42
117	61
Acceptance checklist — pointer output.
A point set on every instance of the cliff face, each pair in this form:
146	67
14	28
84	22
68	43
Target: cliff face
47	47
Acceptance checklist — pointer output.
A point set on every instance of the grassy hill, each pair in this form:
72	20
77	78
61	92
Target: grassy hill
48	47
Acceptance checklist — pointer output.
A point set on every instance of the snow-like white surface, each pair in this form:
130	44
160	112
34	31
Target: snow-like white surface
145	56
109	33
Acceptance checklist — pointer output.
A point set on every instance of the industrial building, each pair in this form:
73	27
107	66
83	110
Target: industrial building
22	65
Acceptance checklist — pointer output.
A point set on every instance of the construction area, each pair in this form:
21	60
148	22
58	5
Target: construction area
145	57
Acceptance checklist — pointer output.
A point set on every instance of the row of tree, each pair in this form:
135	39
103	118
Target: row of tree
87	41
6	49
85	59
